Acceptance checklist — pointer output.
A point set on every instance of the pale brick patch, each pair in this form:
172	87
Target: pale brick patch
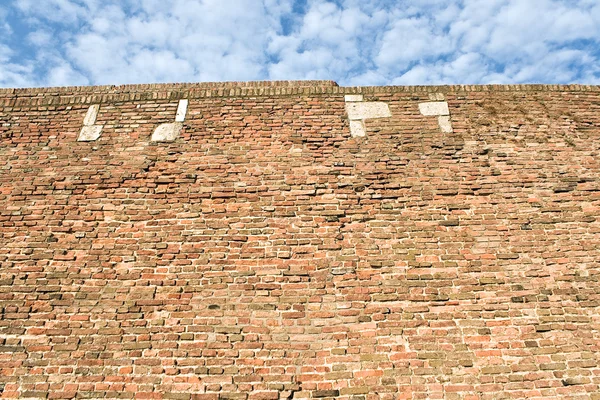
181	111
357	128
170	131
445	123
90	131
358	111
167	132
353	97
367	110
91	115
434	108
439	109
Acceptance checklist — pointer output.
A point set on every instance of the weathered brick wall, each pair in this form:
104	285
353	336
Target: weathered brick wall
268	254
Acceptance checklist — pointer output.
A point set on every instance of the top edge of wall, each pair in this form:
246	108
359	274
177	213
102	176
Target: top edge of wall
271	88
168	86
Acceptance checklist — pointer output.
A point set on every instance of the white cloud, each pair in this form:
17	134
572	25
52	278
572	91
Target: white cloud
5	54
5	28
62	74
351	41
40	38
11	74
63	11
181	40
530	30
330	42
410	40
496	41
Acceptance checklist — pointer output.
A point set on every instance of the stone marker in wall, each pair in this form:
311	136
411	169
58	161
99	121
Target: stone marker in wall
168	132
90	131
440	110
359	110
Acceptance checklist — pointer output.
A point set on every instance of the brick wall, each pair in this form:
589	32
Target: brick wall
268	254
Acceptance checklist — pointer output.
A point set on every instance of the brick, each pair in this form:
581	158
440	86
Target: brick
272	395
325	393
177	396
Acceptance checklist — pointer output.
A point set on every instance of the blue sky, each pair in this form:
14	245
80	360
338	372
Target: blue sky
354	42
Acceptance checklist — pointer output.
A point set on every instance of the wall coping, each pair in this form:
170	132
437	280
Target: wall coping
174	91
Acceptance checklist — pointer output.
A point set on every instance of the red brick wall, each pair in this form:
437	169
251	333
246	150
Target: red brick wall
267	254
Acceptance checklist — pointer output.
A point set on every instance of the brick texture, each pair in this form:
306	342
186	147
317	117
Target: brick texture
267	254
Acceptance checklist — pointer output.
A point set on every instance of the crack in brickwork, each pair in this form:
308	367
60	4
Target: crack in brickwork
268	254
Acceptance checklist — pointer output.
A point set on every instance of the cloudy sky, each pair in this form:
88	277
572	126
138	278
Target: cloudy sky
354	42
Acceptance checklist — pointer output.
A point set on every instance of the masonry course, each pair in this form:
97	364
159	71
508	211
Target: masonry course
266	252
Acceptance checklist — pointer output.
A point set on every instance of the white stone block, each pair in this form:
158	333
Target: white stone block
167	132
91	115
90	133
367	110
353	97
434	108
181	111
357	128
445	124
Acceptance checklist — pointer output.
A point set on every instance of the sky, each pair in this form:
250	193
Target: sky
353	42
